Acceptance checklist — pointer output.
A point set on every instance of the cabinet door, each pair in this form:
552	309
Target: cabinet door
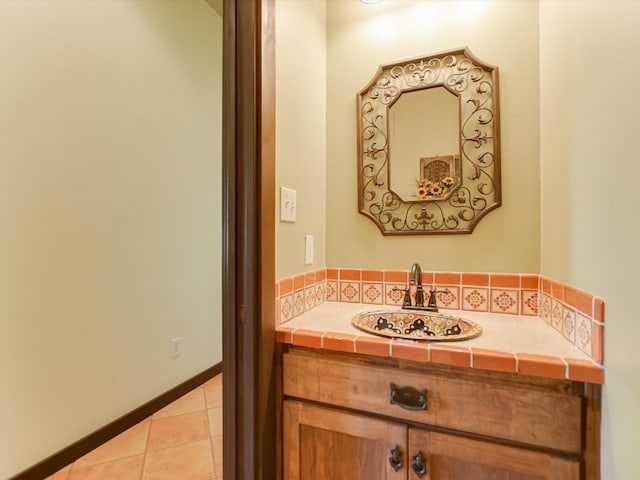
326	444
444	456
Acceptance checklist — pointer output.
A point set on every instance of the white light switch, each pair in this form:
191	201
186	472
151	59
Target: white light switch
308	249
287	205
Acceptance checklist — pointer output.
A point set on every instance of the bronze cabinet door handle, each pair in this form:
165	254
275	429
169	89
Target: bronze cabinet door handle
408	398
395	459
419	465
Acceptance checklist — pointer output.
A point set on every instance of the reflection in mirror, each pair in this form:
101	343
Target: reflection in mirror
423	130
429	144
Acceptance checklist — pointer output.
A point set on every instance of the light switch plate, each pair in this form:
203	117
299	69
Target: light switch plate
288	205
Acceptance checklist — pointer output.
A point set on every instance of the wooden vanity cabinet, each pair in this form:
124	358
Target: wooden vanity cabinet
327	443
339	422
447	456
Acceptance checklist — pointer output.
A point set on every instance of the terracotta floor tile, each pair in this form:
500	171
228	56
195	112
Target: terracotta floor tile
215	421
216	445
127	444
185	462
125	469
176	441
213	392
178	430
191	402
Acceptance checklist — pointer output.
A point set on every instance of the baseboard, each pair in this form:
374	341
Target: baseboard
70	454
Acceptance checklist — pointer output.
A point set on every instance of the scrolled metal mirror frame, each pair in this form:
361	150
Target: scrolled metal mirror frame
478	192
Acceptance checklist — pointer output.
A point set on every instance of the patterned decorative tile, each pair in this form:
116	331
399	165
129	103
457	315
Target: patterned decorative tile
393	296
504	301
545	308
372	293
320	292
475	299
569	324
556	315
350	292
332	291
529	302
309	298
448	297
286	308
298	302
583	333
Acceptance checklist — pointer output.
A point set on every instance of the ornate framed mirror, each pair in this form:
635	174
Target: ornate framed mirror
429	144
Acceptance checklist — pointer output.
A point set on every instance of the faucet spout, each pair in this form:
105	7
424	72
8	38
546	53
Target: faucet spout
415	277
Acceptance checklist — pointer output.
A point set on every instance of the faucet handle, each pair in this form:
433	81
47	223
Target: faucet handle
406	301
432	304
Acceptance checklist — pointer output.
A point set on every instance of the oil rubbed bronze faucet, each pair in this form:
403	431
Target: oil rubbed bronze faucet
415	278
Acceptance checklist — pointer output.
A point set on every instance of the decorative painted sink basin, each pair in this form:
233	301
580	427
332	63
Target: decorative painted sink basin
416	325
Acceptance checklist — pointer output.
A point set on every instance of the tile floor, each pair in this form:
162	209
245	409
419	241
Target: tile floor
183	441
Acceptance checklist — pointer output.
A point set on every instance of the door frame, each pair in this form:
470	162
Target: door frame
248	325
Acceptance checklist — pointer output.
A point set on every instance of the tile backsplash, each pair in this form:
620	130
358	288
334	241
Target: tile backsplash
575	314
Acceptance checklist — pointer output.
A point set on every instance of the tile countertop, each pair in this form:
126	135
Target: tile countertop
508	343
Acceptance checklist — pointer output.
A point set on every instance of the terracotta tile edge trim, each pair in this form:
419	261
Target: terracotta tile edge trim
584	371
574	369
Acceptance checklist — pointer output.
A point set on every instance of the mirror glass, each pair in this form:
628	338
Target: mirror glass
423	125
429	144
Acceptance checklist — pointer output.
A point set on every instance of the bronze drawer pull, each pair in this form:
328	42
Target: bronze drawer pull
418	465
408	397
395	459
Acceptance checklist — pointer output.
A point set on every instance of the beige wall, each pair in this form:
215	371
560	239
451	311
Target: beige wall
300	130
590	231
360	38
109	212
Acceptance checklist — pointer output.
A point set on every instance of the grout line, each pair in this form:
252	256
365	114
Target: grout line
146	449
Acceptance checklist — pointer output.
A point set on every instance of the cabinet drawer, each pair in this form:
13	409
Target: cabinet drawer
514	412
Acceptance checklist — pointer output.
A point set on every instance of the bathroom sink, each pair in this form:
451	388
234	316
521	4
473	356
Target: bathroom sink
416	325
